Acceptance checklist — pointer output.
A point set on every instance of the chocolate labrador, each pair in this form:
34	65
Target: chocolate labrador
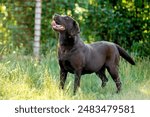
78	58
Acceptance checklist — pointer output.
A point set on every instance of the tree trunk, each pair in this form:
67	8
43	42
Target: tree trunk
37	29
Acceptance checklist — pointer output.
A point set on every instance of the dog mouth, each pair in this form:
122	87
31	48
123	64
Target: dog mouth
57	26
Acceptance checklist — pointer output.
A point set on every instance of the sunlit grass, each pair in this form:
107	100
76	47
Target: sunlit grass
21	77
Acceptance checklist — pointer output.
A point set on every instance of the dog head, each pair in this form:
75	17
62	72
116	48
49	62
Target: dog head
65	24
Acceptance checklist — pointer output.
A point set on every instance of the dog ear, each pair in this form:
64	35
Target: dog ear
75	29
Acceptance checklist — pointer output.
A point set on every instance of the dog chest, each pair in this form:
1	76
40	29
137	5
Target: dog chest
67	66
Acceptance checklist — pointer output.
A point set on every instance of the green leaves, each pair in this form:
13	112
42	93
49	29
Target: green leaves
121	21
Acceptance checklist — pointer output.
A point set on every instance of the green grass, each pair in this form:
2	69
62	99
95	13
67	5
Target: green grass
21	77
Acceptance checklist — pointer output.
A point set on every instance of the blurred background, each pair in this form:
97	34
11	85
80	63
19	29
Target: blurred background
125	22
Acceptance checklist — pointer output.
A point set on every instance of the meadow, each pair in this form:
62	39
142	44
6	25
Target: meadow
24	78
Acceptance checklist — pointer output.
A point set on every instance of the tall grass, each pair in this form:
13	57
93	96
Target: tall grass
21	77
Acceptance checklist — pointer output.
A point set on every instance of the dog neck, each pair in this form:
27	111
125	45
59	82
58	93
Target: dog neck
66	39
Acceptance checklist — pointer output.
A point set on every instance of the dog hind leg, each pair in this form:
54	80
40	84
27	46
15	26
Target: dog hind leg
102	76
113	71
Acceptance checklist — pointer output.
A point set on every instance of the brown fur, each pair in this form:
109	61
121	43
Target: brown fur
78	58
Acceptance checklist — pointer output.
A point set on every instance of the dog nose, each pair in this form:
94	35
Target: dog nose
56	15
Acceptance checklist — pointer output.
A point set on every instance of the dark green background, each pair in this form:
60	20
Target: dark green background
126	22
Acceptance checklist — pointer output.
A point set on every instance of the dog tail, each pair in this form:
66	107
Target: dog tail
125	55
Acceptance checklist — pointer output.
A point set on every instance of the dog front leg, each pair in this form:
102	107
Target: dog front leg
77	81
63	76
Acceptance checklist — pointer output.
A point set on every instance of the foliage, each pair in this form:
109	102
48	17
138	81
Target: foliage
121	21
18	21
24	78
